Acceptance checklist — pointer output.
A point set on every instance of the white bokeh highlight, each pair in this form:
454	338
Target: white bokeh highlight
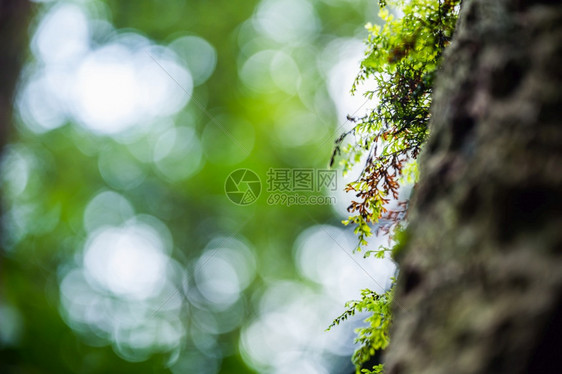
108	89
127	261
289	333
286	21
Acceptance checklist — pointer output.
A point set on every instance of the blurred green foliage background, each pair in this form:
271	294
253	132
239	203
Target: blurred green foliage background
121	252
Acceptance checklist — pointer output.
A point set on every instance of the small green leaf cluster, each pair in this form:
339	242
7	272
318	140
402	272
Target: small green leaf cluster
377	369
402	57
374	335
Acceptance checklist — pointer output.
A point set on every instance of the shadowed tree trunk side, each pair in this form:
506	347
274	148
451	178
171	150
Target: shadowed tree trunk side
14	21
480	287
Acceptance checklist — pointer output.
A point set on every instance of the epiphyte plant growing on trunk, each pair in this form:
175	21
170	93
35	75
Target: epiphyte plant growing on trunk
402	57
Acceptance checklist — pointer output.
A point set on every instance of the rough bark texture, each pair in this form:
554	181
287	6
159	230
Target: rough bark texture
481	272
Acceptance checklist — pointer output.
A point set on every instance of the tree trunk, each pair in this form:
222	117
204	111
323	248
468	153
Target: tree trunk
481	273
14	21
14	18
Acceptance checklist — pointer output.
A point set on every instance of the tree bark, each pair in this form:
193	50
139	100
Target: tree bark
481	282
14	19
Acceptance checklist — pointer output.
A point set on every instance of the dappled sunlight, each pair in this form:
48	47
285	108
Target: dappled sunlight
178	153
293	316
117	88
107	208
292	322
198	54
324	255
256	72
107	88
285	72
17	163
287	21
126	130
126	261
126	288
224	271
268	71
345	57
62	36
